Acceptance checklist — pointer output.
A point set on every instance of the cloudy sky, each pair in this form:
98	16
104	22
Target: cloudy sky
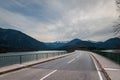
60	20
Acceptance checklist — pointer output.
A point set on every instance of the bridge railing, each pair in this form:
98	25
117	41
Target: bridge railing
19	58
114	56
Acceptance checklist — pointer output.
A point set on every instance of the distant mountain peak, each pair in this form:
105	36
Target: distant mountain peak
76	39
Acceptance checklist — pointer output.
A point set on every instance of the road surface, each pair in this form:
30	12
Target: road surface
77	66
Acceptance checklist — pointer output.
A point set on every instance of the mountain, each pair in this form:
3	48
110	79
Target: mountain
13	40
77	44
55	45
113	43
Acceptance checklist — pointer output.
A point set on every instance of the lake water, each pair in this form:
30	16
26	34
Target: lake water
113	51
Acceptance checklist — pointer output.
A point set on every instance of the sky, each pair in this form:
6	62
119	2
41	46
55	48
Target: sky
60	20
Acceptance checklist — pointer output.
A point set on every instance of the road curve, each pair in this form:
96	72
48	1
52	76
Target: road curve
77	66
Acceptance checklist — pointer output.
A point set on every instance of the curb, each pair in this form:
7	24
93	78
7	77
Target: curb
26	66
102	69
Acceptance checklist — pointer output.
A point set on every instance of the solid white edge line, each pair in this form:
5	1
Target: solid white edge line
70	61
48	75
111	69
100	76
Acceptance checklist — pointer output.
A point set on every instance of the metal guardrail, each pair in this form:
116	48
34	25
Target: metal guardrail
19	58
114	56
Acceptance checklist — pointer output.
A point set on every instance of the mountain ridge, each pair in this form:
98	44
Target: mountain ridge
13	40
113	43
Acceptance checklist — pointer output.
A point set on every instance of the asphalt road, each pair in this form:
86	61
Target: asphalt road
77	66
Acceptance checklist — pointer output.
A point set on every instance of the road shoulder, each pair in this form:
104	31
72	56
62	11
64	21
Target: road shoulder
110	68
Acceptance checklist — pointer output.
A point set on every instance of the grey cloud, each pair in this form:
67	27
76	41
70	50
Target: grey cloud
67	19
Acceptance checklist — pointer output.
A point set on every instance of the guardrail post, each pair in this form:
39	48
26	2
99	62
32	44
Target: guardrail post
47	55
20	59
36	56
118	59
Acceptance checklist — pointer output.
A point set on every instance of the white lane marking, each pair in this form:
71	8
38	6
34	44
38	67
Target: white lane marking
99	73
48	75
77	57
70	61
111	69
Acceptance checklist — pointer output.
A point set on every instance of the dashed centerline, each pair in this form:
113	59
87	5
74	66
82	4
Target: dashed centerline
70	61
48	75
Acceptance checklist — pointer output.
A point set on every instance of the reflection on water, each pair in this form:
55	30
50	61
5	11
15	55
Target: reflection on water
113	51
